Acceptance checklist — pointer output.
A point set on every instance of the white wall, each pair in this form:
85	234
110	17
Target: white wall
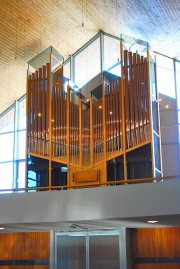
143	199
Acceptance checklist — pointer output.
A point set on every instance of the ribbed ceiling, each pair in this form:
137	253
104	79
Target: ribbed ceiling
29	26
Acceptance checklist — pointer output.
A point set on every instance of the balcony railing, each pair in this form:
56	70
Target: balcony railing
94	185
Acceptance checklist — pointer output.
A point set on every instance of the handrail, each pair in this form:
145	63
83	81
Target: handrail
91	185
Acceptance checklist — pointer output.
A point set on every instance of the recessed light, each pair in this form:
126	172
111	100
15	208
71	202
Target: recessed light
152	221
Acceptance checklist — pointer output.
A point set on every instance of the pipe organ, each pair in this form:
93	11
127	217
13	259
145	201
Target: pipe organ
73	139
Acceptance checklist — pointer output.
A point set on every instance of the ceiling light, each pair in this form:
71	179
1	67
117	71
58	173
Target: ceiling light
1	228
152	221
167	106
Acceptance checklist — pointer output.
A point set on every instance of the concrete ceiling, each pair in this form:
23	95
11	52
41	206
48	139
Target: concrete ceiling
29	26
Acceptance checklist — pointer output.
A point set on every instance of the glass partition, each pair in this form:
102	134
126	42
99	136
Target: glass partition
165	76
67	69
22	114
6	175
12	143
135	45
87	63
7	145
168	99
7	121
177	69
112	55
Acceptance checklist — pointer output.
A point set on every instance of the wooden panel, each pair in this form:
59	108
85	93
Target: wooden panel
156	266
27	267
159	242
24	246
87	176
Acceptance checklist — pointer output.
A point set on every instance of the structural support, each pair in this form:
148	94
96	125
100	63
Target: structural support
52	250
125	249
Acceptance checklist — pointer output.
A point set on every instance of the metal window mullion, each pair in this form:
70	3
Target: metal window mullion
53	250
176	91
177	103
102	51
87	251
15	146
72	68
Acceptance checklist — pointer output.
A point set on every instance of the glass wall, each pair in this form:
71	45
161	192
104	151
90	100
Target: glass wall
87	63
12	143
67	69
168	101
177	69
165	76
177	73
112	55
7	148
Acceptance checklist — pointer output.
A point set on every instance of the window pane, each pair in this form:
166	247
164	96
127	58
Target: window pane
152	80
22	115
21	144
21	175
66	70
6	175
6	145
178	92
7	121
178	82
155	116
165	76
157	153
111	55
87	63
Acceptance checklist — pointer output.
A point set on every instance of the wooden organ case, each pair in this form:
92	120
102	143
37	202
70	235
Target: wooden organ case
110	135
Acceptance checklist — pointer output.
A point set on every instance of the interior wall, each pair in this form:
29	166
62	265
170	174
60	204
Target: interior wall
25	250
155	248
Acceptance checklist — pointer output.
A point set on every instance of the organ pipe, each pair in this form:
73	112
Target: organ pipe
80	133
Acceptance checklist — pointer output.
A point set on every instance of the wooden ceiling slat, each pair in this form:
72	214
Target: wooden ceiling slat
29	26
